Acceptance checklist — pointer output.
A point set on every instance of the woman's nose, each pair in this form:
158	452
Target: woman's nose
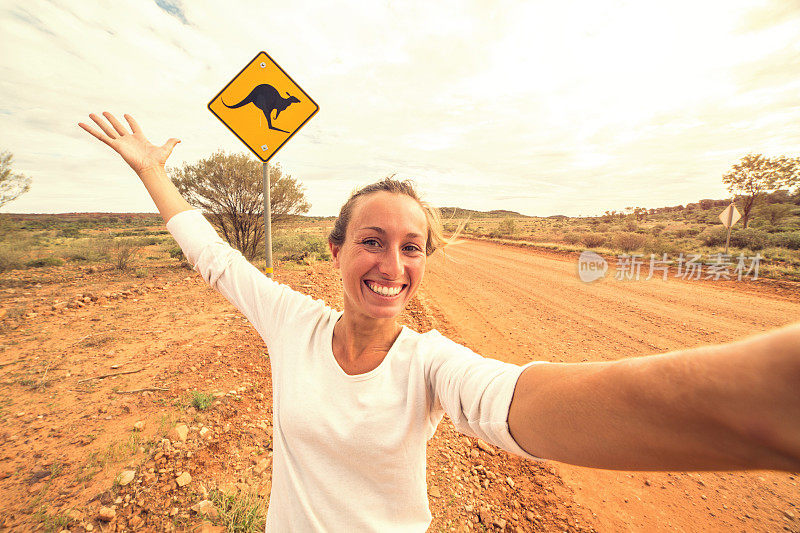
392	264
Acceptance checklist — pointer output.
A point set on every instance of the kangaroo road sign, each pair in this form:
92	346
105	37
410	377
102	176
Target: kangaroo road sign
263	106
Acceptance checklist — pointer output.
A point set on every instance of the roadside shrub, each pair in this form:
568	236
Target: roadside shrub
122	253
11	258
44	262
657	229
316	245
790	240
660	246
603	227
753	239
630	225
628	242
146	241
86	249
141	273
295	246
507	226
778	229
714	236
572	238
686	231
69	233
201	400
244	511
593	240
176	253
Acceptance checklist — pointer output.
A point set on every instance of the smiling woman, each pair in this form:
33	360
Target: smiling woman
357	396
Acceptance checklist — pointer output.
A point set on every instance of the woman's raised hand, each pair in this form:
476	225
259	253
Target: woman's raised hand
134	147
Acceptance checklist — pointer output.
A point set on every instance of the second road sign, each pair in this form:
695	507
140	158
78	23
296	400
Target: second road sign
263	106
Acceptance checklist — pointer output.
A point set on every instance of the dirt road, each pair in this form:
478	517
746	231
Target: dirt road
518	305
67	432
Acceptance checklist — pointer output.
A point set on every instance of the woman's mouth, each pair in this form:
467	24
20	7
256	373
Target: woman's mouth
382	290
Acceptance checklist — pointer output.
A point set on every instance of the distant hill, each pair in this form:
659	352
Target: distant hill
458	212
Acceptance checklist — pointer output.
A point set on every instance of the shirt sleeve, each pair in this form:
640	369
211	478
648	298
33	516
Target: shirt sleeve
474	391
263	301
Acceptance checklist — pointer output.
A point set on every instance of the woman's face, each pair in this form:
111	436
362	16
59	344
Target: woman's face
382	259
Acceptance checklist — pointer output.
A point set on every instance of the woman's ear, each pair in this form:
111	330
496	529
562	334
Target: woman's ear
334	253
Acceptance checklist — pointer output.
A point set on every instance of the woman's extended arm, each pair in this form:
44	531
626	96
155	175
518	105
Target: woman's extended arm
726	407
145	158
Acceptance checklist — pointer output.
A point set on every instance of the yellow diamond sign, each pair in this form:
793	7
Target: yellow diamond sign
263	106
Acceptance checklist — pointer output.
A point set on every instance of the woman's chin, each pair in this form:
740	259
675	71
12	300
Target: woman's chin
383	313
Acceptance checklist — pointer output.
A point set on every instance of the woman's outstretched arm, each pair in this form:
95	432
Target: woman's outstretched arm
145	158
726	407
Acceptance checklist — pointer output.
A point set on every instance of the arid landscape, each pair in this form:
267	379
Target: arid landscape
137	398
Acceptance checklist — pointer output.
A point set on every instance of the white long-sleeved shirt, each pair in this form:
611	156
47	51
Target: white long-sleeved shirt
349	450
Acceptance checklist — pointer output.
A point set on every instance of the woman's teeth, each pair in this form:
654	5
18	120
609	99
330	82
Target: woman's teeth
384	291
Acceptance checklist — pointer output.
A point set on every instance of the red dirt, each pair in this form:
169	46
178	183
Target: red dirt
64	442
519	305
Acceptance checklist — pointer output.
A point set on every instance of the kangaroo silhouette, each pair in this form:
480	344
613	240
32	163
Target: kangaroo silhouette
267	99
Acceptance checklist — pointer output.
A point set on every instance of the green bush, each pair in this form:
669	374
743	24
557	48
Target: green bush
122	253
317	245
44	262
11	258
660	246
603	227
201	400
593	240
244	512
70	233
507	226
714	236
86	249
686	231
627	242
750	238
146	241
176	253
295	246
790	240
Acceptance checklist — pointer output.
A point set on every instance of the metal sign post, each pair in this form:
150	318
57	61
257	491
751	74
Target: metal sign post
267	222
264	107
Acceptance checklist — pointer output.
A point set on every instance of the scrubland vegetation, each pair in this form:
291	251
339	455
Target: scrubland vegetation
773	232
136	242
131	242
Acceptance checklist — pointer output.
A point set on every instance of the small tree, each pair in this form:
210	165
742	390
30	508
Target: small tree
12	185
507	226
229	188
756	175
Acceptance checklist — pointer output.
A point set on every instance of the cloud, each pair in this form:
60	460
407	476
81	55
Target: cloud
174	8
570	107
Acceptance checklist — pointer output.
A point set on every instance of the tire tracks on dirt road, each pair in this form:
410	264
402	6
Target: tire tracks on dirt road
518	305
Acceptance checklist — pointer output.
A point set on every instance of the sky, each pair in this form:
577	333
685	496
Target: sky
572	107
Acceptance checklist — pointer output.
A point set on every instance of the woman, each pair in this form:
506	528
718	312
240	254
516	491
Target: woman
356	396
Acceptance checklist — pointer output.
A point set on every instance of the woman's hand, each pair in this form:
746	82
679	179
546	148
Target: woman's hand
145	158
135	149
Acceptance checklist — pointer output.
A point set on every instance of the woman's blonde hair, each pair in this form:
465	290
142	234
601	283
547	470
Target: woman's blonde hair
436	238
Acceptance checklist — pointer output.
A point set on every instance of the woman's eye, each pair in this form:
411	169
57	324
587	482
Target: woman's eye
413	248
370	242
